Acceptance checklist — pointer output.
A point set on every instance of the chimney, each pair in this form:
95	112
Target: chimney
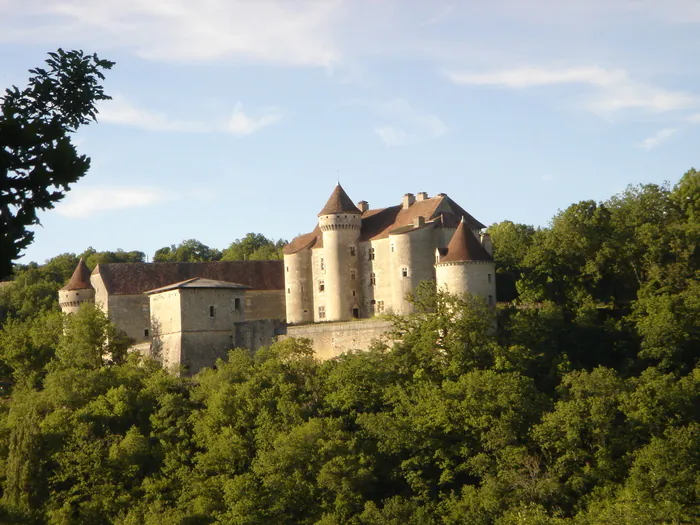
408	199
486	243
421	196
363	206
420	221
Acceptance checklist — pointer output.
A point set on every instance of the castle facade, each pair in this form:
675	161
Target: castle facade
360	262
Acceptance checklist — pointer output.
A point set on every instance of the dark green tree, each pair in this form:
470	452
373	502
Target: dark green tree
38	161
190	250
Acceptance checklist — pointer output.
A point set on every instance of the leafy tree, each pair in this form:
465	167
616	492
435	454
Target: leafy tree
254	247
187	251
38	162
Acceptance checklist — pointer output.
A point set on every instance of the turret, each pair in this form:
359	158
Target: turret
338	289
467	267
77	291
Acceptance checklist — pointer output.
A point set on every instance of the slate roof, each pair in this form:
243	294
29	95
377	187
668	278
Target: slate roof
339	202
80	280
465	247
380	223
137	278
199	282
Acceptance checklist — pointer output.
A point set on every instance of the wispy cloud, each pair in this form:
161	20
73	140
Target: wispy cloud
83	202
409	124
278	31
242	124
610	90
439	16
657	138
121	111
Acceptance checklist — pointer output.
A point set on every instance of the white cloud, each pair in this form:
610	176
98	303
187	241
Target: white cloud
82	202
279	31
413	125
242	124
121	111
610	90
524	77
657	138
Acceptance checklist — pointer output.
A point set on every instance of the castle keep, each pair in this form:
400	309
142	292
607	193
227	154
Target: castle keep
359	262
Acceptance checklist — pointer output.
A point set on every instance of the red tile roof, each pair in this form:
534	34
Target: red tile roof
80	280
137	278
339	202
380	223
464	247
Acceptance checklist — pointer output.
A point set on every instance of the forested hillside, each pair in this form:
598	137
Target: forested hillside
582	407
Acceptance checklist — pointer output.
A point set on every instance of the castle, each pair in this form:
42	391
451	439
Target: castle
357	263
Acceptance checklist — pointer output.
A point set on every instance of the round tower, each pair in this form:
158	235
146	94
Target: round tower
298	280
340	222
467	267
77	291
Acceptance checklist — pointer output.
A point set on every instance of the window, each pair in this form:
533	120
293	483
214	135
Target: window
404	272
352	275
392	246
380	306
372	305
372	280
145	332
321	312
211	311
490	300
352	251
489	278
353	293
323	265
371	254
321	286
237	303
287	269
289	290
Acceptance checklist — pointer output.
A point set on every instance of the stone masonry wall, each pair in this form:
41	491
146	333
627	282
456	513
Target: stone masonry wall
332	339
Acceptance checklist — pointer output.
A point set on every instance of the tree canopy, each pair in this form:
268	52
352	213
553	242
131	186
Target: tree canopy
38	161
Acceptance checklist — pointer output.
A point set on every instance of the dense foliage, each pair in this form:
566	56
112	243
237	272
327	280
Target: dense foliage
578	403
254	247
38	161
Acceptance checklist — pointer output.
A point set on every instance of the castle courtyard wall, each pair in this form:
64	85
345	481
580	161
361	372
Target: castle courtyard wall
330	340
131	313
264	304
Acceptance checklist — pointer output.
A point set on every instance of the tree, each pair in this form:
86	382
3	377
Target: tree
190	250
254	247
38	162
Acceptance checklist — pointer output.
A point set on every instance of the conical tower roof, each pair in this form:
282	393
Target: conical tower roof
465	247
339	202
80	280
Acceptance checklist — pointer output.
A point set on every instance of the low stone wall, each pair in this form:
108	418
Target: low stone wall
332	339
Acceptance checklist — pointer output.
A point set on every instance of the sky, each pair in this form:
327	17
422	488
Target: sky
237	116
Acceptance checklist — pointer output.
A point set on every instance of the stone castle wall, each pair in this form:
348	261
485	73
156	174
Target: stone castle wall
332	339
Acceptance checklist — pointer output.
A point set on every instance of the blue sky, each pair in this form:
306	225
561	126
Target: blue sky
232	116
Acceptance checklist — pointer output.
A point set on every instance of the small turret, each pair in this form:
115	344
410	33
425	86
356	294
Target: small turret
77	291
467	267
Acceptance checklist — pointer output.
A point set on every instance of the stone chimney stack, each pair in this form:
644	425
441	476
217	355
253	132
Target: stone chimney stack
486	243
363	206
421	196
408	200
